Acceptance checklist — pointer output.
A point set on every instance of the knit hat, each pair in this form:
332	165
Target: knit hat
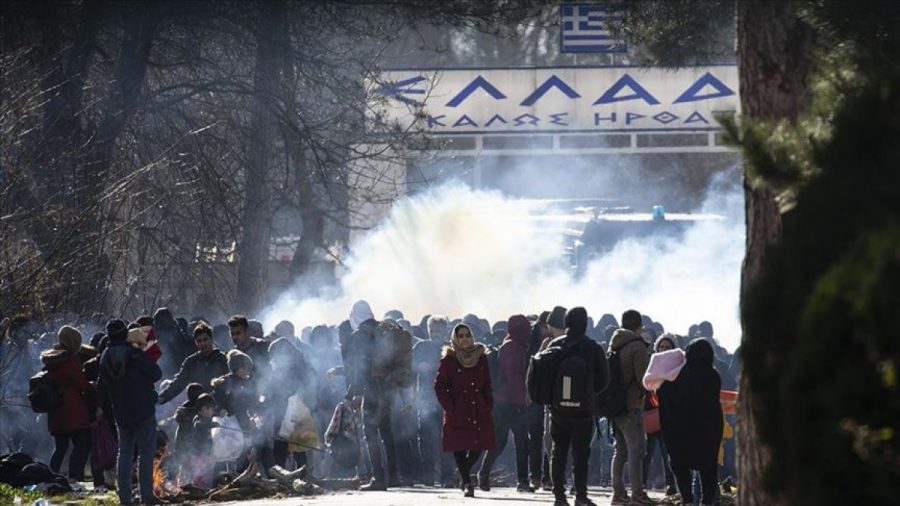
194	390
237	359
576	321
117	330
69	338
557	317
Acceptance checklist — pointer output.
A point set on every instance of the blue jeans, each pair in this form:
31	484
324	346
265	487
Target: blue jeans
142	435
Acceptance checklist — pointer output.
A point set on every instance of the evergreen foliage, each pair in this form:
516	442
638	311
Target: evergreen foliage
824	375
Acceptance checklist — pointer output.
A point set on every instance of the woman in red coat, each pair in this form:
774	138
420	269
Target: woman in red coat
463	387
70	421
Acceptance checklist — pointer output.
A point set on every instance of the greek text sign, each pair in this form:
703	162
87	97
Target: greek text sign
560	99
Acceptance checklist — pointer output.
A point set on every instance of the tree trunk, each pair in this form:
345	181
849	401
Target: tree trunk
256	221
774	62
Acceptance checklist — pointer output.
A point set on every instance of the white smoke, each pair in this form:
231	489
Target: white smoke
454	250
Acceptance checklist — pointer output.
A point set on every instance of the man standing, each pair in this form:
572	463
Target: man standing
202	367
538	472
377	395
257	349
630	440
126	380
511	399
580	375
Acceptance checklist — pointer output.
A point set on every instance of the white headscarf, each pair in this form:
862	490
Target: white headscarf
360	313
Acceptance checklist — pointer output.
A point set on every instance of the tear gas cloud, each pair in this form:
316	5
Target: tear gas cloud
454	250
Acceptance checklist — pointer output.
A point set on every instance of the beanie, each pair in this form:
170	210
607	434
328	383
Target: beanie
117	330
557	317
69	338
194	390
576	321
238	359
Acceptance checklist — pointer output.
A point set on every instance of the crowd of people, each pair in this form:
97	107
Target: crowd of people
395	403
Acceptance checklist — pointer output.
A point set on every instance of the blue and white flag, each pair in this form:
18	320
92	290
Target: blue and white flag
584	28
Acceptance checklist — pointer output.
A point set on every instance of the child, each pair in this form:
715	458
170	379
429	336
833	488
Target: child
235	392
144	338
184	417
203	424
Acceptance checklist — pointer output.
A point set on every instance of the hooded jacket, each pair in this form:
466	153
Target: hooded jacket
126	382
634	357
513	352
65	371
197	368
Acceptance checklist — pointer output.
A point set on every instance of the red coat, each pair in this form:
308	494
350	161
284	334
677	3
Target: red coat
465	394
65	371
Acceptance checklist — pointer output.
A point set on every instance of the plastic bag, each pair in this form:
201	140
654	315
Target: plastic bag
298	426
105	449
227	439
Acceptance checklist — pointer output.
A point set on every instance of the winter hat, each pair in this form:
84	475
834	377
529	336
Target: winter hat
576	321
117	330
360	313
194	390
69	338
237	359
557	317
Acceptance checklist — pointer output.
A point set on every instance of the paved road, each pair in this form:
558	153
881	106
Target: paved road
430	496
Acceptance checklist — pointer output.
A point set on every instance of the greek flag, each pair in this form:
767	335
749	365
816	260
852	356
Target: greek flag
585	29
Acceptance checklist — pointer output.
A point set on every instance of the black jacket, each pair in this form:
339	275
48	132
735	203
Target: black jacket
237	396
358	358
196	369
126	381
690	412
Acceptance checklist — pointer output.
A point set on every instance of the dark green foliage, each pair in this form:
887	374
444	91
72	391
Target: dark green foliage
824	370
677	33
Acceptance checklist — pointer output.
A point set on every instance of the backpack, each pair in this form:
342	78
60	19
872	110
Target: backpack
392	359
573	383
611	402
493	360
43	394
546	383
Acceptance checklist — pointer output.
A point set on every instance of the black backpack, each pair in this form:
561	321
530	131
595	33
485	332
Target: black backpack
611	402
43	394
542	374
573	383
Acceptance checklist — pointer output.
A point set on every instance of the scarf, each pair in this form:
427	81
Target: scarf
467	358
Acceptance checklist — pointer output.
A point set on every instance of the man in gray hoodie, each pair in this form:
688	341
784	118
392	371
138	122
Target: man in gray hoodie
630	440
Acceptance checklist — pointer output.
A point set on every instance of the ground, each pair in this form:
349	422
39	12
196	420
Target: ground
421	496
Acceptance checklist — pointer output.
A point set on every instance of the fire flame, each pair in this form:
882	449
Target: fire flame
158	475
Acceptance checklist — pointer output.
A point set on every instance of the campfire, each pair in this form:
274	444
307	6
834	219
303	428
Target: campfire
162	487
